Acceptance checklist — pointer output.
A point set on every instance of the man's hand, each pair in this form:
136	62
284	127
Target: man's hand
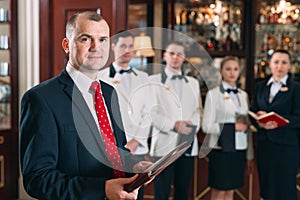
141	166
132	145
114	189
182	127
241	127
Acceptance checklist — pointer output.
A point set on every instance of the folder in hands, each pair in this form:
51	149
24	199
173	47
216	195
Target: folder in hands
156	168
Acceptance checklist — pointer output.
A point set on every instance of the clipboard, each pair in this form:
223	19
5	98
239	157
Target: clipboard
156	168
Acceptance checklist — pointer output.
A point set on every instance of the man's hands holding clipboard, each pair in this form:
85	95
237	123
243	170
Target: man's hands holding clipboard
156	168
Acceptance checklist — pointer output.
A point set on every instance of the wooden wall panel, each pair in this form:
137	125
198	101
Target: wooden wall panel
52	28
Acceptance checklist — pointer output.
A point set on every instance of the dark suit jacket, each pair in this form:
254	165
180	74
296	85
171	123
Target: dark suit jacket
61	150
287	104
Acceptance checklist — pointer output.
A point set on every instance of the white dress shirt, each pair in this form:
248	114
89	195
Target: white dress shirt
83	83
275	87
124	77
176	83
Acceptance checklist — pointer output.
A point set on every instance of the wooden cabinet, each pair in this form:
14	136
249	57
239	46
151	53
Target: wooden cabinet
8	100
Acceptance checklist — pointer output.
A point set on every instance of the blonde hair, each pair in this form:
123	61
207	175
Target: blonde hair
227	58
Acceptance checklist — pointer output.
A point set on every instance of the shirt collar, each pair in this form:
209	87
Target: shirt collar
82	81
170	73
118	68
227	86
282	81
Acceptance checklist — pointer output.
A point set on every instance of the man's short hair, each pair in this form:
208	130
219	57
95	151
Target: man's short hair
122	33
90	15
176	42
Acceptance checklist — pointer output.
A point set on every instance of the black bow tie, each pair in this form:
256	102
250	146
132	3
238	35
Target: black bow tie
235	91
174	77
125	71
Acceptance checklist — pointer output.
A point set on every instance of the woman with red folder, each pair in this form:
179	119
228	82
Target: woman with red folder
277	146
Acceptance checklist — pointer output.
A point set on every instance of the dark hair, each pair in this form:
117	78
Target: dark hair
227	58
283	52
122	33
175	42
90	15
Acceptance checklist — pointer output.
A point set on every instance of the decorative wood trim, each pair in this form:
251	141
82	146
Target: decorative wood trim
195	177
250	195
14	98
203	193
119	9
2	174
240	195
45	41
1	139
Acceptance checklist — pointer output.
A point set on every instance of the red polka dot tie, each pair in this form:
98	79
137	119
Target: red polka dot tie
106	132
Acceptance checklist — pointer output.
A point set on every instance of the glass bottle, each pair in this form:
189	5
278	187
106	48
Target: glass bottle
228	43
271	41
286	41
262	17
212	43
183	17
264	46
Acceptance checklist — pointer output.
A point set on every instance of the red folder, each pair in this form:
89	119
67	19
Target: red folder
271	116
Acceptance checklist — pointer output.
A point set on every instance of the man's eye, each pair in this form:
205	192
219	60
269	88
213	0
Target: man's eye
85	39
103	39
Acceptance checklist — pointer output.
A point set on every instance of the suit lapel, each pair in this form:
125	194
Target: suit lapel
282	92
85	124
112	72
87	128
67	83
266	93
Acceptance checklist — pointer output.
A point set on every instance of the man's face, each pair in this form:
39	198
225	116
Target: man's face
123	50
174	56
88	46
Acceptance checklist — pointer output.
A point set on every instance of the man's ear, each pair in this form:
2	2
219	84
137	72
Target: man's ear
164	54
112	47
65	45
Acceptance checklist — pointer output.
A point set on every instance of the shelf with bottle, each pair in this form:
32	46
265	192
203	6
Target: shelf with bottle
277	28
279	12
270	37
4	11
216	26
4	15
6	53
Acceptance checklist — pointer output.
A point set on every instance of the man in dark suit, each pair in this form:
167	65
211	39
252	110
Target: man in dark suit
62	150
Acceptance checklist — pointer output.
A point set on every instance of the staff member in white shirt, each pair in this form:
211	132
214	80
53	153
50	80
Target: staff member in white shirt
132	89
178	106
225	120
